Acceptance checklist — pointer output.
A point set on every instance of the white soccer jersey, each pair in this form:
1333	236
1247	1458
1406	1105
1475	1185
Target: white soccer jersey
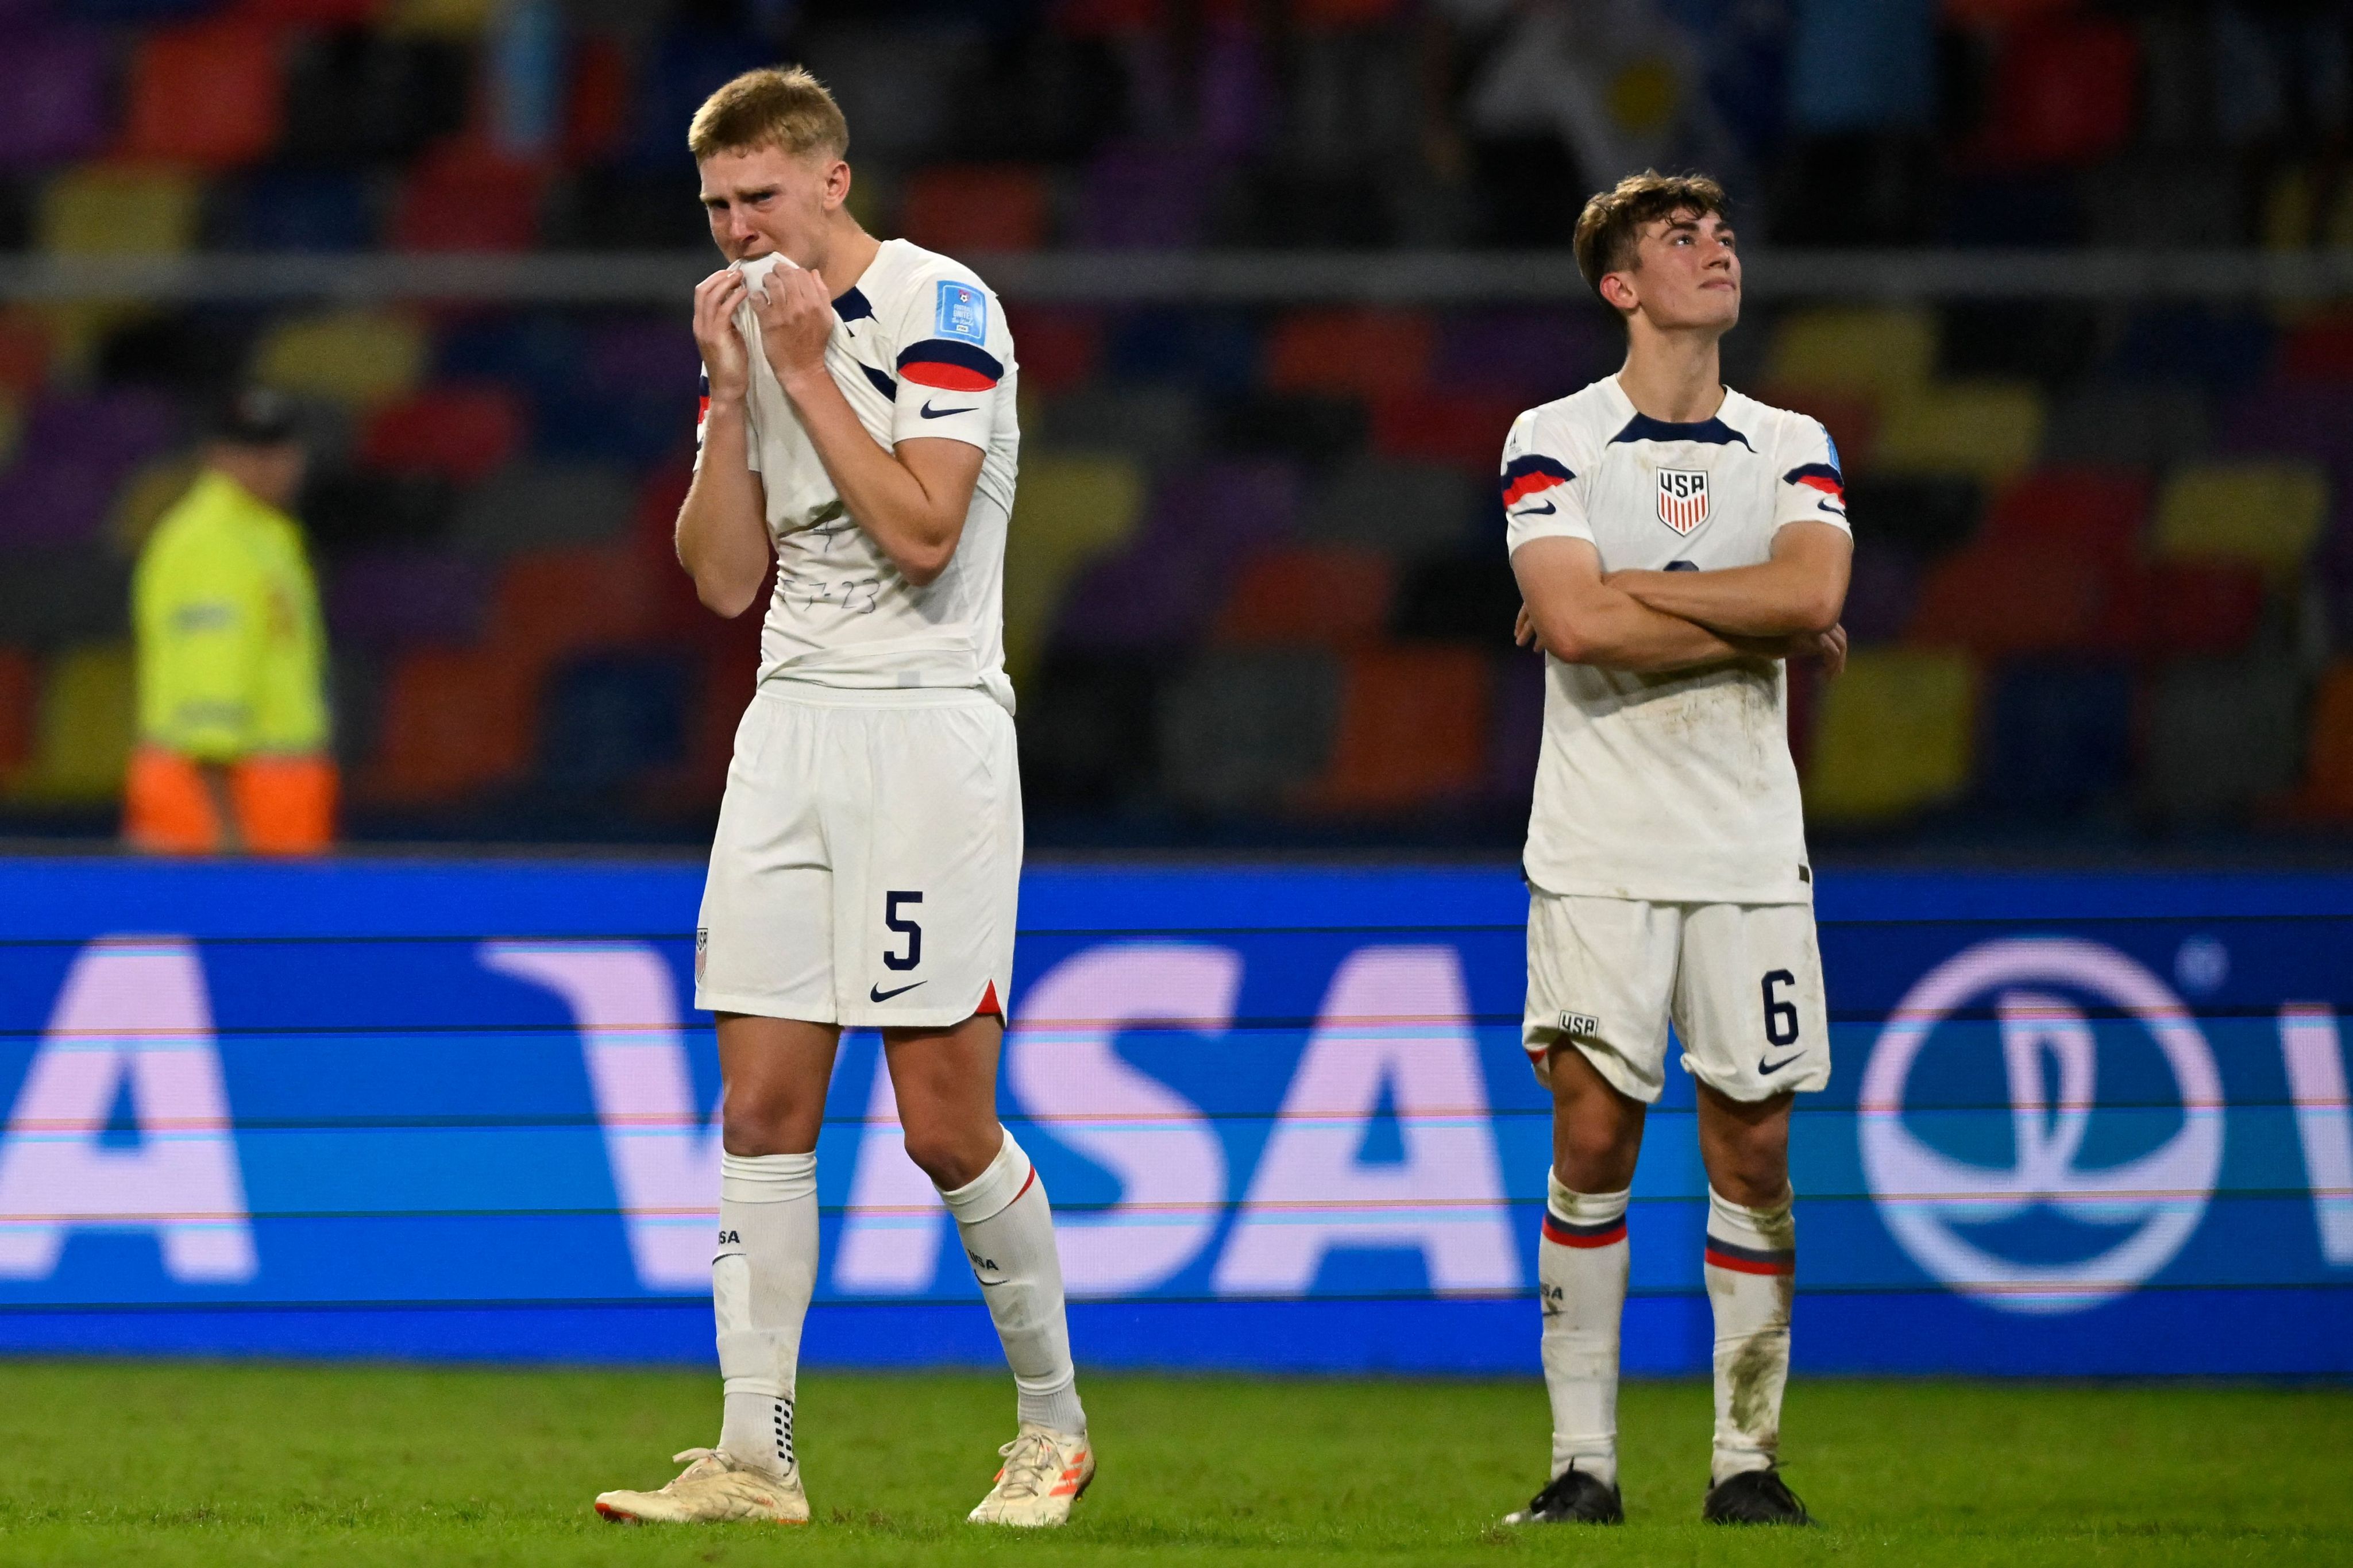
920	349
1673	788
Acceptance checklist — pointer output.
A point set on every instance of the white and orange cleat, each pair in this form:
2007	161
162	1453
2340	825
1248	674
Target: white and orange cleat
713	1488
1045	1472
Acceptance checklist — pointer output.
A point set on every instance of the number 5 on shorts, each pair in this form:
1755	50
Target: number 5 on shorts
912	931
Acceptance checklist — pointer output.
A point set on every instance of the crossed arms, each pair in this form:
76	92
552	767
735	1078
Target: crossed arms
1659	621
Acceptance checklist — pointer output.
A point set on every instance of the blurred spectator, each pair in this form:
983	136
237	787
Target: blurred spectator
233	729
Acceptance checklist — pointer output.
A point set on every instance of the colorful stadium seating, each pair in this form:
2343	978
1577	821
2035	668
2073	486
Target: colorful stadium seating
359	359
82	738
974	209
1990	431
1241	526
1323	595
454	723
2057	740
1360	354
104	209
208	95
53	92
1412	730
462	432
20	687
1068	512
1880	353
1894	737
1249	730
2223	736
466	197
2326	791
2266	513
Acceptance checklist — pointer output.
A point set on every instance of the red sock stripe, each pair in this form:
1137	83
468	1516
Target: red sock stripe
1749	1260
1562	1234
1026	1186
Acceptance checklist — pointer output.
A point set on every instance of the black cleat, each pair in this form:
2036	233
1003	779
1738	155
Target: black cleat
1572	1498
1754	1497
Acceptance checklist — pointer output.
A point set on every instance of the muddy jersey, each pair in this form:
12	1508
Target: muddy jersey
1675	787
920	349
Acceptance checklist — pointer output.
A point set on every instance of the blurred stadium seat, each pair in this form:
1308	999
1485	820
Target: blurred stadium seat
2268	514
104	209
1895	736
82	736
1879	353
1249	729
1069	510
1412	730
207	94
356	358
1323	595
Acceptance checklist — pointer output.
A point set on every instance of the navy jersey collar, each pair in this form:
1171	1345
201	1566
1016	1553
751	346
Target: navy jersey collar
1641	426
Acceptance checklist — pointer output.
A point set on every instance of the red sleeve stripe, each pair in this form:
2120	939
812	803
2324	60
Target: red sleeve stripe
1525	477
950	366
1820	476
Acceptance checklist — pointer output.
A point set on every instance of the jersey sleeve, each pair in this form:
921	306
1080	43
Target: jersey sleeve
1542	496
955	354
1812	488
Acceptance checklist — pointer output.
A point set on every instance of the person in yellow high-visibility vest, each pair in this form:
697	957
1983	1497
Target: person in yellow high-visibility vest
234	732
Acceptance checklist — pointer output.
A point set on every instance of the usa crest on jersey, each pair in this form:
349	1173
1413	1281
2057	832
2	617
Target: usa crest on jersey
1682	498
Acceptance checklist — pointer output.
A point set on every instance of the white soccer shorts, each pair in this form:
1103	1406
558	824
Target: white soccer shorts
1741	983
868	860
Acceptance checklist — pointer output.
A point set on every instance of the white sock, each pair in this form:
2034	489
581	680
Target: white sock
1752	1269
1009	1236
1581	1273
761	1281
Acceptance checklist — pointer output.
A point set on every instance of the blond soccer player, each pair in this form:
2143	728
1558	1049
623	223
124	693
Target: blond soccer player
857	430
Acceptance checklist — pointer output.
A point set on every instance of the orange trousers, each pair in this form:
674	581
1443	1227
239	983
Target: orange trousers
283	805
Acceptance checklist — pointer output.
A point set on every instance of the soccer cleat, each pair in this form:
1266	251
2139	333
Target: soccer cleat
713	1488
1754	1497
1045	1471
1572	1497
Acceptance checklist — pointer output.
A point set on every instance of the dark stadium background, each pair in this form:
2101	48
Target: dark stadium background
2068	281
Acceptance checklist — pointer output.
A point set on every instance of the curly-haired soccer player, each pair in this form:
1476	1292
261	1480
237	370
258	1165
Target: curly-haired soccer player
859	428
1675	542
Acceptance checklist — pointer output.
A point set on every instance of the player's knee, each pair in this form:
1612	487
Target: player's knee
752	1124
950	1156
1751	1166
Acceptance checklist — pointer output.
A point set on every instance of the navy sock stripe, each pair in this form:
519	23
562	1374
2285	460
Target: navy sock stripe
1599	1227
1750	1254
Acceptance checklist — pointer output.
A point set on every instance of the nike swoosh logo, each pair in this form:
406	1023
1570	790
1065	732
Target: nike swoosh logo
1765	1070
1535	511
876	994
928	412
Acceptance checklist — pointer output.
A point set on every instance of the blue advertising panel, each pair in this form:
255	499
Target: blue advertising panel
454	1108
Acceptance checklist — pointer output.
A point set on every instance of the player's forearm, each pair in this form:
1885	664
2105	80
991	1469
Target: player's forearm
723	533
1775	599
1629	635
917	531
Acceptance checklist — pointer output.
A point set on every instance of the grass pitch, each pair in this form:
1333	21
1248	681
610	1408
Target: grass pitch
162	1465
